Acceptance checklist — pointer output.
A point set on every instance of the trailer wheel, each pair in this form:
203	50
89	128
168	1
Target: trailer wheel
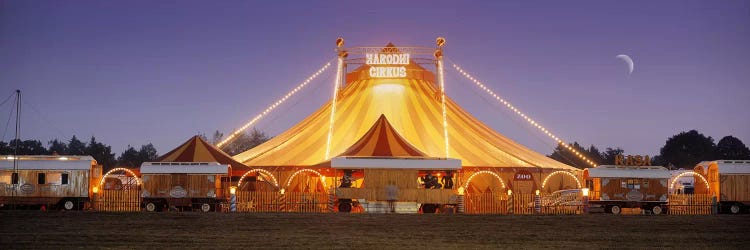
735	209
615	209
656	210
429	208
69	205
150	207
205	207
345	207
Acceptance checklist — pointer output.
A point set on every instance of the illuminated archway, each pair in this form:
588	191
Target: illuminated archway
466	186
578	182
693	173
104	177
289	181
260	171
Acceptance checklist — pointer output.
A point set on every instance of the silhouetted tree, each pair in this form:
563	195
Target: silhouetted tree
5	149
658	160
129	158
27	147
564	155
76	147
731	148
57	147
245	141
102	153
134	158
608	156
686	149
147	153
216	137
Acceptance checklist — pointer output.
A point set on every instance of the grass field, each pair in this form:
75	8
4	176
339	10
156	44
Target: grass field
58	230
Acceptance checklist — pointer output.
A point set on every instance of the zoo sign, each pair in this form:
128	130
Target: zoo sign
523	175
382	65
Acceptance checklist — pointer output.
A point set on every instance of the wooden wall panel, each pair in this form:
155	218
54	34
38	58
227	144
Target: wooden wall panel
28	186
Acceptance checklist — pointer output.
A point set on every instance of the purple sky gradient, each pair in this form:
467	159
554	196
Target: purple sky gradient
134	72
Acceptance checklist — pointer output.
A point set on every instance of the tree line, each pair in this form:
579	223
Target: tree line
130	158
101	152
683	150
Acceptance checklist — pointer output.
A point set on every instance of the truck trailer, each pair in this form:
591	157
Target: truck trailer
182	185
47	181
729	182
616	187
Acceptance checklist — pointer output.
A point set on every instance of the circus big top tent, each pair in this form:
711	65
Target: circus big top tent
412	105
387	124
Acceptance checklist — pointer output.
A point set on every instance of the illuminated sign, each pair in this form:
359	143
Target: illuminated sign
382	65
523	175
632	160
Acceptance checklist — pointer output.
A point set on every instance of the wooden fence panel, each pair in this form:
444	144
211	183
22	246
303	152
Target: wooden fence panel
273	201
119	200
689	204
485	203
523	203
302	202
489	203
258	201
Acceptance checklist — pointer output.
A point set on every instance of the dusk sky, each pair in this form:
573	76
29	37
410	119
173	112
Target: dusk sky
134	72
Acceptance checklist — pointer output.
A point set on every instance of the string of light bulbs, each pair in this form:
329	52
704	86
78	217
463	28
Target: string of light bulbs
442	101
273	106
337	83
524	116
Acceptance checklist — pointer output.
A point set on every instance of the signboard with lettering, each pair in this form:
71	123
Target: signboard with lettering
387	65
523	182
523	175
632	160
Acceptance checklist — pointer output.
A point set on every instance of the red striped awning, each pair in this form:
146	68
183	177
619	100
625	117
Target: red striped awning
197	150
382	140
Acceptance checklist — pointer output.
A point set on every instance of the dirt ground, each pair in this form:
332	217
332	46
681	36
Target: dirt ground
63	230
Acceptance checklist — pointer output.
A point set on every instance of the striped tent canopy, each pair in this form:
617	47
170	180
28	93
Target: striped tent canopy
198	150
384	141
414	110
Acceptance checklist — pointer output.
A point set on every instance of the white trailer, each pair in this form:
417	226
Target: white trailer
33	181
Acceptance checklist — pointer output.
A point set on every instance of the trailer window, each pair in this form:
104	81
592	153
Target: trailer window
633	184
41	178
54	178
5	177
64	179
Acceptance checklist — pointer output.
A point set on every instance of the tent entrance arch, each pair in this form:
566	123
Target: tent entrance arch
258	191
119	190
562	184
254	178
694	174
485	192
305	191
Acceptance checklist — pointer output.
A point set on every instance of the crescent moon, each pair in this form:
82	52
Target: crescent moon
627	60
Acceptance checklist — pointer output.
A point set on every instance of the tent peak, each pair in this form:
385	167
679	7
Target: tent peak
382	140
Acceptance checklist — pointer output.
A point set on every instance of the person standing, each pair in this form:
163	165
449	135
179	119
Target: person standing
391	192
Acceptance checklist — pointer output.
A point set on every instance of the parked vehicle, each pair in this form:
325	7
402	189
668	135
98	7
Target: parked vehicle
617	187
182	185
46	181
729	182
